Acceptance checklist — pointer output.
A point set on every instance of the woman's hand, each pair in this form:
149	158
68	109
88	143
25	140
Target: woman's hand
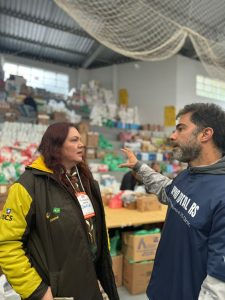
48	295
132	159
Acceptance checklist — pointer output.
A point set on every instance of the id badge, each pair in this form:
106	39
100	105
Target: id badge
86	205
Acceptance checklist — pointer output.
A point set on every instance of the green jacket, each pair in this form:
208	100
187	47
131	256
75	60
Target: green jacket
44	242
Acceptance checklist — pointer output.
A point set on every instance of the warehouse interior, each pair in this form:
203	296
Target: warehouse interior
119	69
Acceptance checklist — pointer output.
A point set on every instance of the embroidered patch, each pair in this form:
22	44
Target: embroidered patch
53	219
56	210
8	211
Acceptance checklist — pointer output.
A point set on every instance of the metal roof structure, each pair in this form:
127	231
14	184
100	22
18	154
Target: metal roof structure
40	30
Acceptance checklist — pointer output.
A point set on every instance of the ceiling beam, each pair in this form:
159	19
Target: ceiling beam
46	23
36	57
20	51
41	44
92	57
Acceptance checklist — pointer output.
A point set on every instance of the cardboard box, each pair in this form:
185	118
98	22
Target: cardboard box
10	116
90	153
43	119
83	137
117	265
148	202
131	205
83	127
2	201
59	116
4	188
140	247
136	275
92	139
106	197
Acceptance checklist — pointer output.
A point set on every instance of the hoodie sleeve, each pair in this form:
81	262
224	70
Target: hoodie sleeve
154	182
13	230
211	289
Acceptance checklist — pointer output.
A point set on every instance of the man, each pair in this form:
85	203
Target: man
190	260
130	181
29	100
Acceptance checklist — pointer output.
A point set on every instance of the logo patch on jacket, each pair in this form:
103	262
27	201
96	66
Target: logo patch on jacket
8	211
54	215
7	216
56	210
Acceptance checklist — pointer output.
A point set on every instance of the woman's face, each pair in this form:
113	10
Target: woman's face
72	150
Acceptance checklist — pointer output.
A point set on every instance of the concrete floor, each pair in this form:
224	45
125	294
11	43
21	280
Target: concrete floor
125	295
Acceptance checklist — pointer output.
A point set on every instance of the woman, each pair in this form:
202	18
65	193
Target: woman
53	238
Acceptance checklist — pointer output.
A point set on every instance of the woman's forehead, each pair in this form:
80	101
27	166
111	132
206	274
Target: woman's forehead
73	132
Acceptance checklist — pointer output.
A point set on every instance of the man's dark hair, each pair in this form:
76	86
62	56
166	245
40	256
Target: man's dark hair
208	115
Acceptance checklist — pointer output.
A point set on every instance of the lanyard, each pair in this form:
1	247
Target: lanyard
83	190
83	199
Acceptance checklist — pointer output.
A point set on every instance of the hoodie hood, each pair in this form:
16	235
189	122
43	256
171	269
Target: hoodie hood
39	164
217	168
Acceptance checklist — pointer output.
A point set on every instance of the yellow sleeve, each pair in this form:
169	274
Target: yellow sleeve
13	261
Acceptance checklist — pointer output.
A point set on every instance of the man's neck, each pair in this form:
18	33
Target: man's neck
207	158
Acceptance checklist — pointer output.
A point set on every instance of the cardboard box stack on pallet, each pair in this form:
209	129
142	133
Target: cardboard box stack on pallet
139	253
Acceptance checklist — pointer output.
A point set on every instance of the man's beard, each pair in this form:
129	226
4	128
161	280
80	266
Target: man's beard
186	153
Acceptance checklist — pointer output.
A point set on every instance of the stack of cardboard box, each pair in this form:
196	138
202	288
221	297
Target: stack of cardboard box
89	139
139	253
92	144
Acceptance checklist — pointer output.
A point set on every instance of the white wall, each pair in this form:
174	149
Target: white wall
103	75
82	77
187	70
151	86
42	65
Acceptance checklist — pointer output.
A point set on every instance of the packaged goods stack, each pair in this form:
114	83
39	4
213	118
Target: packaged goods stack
16	151
139	249
133	251
133	254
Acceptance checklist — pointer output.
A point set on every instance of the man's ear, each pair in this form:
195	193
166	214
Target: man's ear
207	134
